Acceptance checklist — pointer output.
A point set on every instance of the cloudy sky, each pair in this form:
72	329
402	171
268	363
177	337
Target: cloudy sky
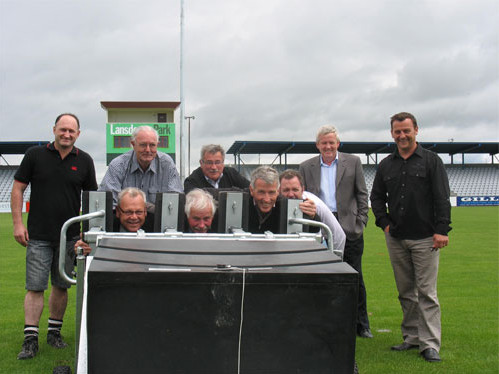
253	70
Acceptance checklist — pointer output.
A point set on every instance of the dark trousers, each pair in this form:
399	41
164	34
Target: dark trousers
353	257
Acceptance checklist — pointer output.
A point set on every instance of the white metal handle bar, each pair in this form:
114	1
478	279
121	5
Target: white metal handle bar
62	245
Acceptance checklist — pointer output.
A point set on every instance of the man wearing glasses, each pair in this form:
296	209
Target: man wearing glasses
131	215
143	167
213	174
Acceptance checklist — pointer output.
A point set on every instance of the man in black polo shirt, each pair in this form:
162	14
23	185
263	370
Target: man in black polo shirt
58	172
414	183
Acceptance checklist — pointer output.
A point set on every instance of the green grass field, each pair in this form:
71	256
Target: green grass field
468	293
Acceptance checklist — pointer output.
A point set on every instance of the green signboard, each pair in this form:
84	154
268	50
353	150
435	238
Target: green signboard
118	137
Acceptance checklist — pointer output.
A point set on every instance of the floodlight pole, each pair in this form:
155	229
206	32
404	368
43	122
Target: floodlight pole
182	147
188	118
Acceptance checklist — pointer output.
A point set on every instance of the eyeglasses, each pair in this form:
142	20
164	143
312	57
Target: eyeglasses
129	213
145	145
210	163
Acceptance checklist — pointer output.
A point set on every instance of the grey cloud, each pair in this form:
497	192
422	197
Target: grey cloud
259	70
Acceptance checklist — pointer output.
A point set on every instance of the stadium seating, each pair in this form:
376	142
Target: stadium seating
473	180
464	180
6	182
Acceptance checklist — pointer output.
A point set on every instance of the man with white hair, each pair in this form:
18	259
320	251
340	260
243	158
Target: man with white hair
200	208
142	167
338	179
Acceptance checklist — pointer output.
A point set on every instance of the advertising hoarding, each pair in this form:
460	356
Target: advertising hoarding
477	200
118	137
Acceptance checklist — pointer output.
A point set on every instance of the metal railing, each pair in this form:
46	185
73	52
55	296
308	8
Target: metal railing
62	245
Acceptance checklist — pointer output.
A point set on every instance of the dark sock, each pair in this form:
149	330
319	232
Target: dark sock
55	325
30	331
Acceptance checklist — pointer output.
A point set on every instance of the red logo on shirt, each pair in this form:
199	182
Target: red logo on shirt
74	168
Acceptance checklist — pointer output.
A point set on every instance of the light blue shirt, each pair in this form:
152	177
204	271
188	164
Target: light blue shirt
328	184
124	171
212	182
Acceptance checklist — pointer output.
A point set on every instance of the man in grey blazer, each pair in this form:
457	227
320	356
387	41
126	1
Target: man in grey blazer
337	178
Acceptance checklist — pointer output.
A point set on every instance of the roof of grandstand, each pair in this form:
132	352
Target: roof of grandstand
18	148
289	147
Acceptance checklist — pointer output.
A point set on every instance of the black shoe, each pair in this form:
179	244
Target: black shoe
62	370
404	347
365	333
30	347
54	339
431	355
355	368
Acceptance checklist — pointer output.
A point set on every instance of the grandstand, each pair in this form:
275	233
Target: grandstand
464	179
7	172
473	180
6	182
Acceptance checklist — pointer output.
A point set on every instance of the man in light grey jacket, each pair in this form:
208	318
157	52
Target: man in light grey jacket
337	178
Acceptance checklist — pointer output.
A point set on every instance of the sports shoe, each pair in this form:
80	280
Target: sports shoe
30	347
54	339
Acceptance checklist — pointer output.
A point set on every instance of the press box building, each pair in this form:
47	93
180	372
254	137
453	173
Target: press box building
124	116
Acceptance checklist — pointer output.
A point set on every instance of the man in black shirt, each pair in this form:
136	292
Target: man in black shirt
58	172
212	174
264	190
414	183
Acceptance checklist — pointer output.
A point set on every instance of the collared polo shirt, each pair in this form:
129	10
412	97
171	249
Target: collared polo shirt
56	186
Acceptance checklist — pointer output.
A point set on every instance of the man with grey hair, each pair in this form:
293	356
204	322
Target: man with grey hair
213	174
143	167
264	190
338	179
200	208
131	215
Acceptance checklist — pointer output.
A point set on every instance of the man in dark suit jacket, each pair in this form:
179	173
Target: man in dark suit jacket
212	174
337	178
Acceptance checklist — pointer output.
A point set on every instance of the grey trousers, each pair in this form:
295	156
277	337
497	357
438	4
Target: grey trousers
415	268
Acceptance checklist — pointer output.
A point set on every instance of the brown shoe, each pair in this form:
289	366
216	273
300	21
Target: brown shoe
404	347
